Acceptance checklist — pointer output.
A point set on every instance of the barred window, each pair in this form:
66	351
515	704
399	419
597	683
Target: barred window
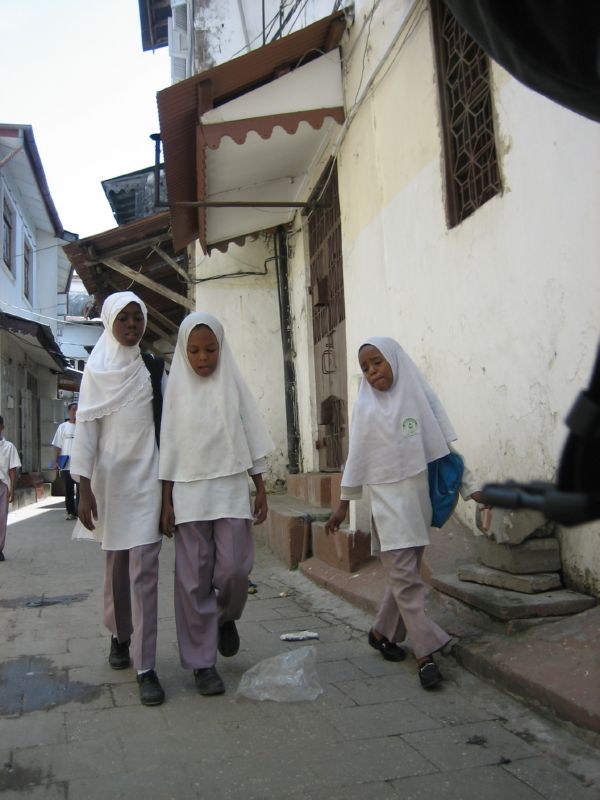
27	271
7	235
471	162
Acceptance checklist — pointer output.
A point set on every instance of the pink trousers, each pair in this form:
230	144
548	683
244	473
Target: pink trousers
212	563
402	610
3	513
131	600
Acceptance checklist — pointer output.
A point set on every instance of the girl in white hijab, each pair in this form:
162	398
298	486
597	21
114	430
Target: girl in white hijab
115	460
398	427
212	438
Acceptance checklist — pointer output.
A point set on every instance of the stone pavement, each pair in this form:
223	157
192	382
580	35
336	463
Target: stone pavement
72	728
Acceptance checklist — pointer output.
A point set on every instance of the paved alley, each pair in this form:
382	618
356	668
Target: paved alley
72	728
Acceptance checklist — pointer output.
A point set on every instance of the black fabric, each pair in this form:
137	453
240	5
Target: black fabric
156	367
552	46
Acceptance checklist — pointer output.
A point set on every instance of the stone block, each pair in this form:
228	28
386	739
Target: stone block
297	486
533	555
287	535
530	584
319	489
344	549
503	604
336	489
513	527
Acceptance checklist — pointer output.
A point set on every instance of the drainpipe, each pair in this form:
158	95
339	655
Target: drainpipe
289	372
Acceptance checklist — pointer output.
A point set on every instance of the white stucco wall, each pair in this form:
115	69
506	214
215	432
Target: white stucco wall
248	308
500	313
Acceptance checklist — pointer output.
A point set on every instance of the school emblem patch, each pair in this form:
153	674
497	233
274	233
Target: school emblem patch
410	426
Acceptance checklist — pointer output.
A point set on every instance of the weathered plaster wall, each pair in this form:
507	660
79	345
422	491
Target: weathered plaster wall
500	313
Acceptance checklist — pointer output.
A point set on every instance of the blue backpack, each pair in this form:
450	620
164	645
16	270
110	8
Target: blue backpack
445	477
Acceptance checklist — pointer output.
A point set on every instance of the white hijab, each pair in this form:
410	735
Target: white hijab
211	427
395	433
114	373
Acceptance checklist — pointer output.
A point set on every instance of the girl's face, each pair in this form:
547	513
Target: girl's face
375	368
128	327
203	351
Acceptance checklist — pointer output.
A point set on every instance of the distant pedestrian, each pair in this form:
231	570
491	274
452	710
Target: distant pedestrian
213	437
115	459
398	427
9	463
63	444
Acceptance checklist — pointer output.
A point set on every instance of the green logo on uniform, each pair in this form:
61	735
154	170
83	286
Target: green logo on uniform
410	426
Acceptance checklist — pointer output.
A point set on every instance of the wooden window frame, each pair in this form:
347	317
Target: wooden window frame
8	235
28	271
467	120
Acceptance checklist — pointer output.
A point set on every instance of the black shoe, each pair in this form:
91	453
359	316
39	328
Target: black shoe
151	692
229	639
429	674
2	556
119	654
208	681
389	650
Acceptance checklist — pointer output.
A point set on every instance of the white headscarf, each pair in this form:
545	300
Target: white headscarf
114	373
395	433
211	427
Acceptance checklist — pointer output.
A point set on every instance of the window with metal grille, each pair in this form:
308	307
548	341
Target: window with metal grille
7	235
326	267
472	175
27	271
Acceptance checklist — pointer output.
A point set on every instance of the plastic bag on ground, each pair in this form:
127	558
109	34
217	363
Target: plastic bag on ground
287	678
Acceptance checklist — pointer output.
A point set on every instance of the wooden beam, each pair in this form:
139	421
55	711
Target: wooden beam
171	262
139	277
164	321
151	326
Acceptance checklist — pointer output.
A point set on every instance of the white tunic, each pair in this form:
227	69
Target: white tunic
9	458
215	498
402	510
63	438
119	453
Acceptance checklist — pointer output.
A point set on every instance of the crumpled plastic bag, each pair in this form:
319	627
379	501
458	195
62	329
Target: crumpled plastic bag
290	677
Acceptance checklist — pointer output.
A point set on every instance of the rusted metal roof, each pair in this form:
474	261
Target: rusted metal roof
37	339
133	245
180	107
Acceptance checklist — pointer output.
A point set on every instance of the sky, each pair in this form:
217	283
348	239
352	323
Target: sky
75	71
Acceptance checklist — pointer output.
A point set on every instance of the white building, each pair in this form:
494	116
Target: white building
462	225
33	271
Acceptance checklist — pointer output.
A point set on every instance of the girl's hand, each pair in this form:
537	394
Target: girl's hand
88	510
167	520
336	519
260	506
11	494
477	497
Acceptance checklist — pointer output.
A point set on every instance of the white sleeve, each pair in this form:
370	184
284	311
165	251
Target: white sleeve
13	459
258	467
58	436
85	445
351	493
469	484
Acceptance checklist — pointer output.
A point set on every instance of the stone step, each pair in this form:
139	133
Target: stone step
504	604
344	549
316	488
287	530
529	584
532	555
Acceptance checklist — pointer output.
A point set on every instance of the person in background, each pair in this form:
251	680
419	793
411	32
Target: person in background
63	444
9	463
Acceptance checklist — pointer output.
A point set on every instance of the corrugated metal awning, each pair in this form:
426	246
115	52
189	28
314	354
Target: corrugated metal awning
247	131
36	339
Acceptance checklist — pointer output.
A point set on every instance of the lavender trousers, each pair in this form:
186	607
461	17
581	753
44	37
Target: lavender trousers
402	610
212	563
3	513
131	599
